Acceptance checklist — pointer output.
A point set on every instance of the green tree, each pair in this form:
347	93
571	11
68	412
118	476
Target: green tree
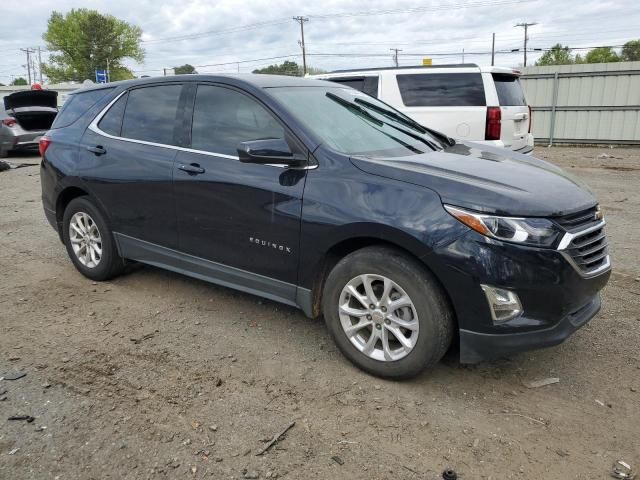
601	55
186	68
558	55
286	68
19	81
631	51
85	40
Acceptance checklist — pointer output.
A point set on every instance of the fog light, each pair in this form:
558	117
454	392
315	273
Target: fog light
504	304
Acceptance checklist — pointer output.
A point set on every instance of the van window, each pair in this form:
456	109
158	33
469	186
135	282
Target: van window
150	114
111	122
368	85
509	90
442	89
76	105
223	118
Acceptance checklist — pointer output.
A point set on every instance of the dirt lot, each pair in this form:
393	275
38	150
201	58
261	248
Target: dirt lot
155	375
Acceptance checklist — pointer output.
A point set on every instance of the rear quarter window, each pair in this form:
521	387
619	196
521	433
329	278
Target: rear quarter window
76	105
509	89
442	89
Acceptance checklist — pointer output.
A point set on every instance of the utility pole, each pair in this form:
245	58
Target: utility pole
301	20
395	55
108	76
29	51
526	37
463	55
493	48
40	64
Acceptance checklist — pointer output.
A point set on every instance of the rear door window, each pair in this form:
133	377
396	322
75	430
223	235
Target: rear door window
510	93
76	105
442	89
223	118
111	122
150	114
368	85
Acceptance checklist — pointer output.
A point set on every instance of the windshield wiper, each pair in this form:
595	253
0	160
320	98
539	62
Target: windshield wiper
407	121
357	108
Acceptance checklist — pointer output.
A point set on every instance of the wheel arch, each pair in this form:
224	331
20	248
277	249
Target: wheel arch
344	246
63	199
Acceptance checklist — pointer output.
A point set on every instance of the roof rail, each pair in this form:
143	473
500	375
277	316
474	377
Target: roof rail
451	65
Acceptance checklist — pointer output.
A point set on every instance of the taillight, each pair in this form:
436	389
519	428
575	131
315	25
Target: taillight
530	120
9	122
492	130
44	144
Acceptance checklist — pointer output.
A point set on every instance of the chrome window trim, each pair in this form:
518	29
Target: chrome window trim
566	240
93	126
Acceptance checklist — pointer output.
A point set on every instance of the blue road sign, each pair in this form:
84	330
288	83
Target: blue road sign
101	76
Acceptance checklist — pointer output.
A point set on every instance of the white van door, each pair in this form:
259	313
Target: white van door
515	111
451	103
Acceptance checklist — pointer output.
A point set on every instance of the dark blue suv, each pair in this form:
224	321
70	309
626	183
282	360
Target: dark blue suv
319	196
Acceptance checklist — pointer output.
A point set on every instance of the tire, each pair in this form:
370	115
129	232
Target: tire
99	267
427	314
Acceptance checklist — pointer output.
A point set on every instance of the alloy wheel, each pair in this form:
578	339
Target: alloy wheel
378	317
85	239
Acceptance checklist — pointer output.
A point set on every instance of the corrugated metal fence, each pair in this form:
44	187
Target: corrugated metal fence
585	103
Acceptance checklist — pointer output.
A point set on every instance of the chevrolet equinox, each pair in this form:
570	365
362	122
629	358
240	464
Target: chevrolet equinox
319	196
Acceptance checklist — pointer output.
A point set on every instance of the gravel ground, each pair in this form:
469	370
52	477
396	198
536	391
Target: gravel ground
155	375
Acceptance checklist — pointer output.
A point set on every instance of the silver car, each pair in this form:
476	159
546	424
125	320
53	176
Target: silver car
26	117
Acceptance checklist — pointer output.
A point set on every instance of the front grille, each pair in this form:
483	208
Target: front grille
589	251
578	220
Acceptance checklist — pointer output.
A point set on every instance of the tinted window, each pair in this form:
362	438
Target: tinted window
222	118
112	120
442	90
150	114
509	90
368	85
76	105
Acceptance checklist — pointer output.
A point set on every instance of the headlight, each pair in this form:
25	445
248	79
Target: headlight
537	232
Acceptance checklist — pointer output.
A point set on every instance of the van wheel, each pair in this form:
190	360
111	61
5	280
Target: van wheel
386	313
89	241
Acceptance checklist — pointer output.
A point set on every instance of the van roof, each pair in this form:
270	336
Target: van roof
422	68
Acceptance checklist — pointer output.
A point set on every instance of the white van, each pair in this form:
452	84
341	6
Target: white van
466	102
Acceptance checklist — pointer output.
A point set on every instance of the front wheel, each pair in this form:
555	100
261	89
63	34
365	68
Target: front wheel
386	313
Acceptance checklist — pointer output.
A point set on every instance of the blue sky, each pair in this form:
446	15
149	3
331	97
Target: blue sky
202	32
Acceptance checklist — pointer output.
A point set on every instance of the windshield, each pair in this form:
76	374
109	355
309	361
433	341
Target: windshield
354	123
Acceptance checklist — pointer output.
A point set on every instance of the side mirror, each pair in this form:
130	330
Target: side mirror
269	151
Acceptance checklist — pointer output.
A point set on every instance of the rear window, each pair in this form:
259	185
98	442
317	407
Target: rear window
76	105
368	85
442	90
150	114
509	90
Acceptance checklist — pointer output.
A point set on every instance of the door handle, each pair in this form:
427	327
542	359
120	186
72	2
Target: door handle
192	168
97	149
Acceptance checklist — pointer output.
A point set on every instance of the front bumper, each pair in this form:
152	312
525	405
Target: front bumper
477	346
556	299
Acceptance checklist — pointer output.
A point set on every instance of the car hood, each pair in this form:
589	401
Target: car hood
31	98
488	179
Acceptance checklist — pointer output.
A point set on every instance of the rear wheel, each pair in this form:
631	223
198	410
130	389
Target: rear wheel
89	241
386	313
